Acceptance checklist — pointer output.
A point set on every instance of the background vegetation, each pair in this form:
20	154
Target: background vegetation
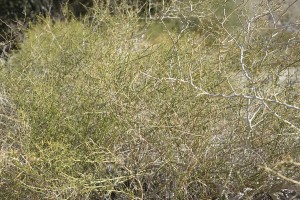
198	101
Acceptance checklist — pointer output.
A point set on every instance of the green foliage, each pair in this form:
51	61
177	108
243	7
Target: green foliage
109	108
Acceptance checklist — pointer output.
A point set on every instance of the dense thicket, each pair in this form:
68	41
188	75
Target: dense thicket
116	106
13	13
20	9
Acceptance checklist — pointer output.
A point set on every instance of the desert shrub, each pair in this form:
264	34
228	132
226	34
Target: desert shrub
11	141
112	113
17	15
